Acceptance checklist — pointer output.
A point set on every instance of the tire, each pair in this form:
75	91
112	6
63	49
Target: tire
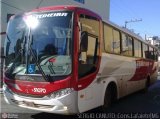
147	84
107	99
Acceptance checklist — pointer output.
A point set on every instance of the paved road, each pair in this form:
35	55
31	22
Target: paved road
138	102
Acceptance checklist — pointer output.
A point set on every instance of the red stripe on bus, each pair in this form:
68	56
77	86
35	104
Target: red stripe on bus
143	69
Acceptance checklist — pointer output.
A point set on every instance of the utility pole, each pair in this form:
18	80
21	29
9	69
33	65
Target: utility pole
145	37
136	20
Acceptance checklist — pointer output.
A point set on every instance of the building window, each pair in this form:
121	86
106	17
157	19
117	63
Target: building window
80	1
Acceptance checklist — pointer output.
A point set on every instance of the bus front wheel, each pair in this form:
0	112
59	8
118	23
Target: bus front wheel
107	99
110	96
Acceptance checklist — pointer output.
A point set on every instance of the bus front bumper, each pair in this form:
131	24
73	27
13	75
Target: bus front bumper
62	105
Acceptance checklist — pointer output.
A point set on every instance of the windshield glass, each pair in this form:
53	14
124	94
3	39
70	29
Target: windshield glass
38	44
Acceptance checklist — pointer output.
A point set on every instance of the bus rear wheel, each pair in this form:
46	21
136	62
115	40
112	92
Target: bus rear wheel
147	84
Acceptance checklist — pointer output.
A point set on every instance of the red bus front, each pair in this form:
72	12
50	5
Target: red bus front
39	61
42	55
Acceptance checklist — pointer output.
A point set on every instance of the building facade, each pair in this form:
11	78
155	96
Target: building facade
155	40
11	7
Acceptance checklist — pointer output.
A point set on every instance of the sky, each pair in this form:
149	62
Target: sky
147	10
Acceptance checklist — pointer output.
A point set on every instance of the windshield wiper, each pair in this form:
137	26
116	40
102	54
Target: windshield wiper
9	72
30	38
46	77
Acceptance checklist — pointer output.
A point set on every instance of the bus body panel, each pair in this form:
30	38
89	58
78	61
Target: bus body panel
129	75
88	87
37	88
93	95
120	70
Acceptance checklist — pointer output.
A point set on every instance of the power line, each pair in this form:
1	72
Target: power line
12	6
130	9
121	9
40	3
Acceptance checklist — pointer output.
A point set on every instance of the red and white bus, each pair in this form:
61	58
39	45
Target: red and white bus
66	60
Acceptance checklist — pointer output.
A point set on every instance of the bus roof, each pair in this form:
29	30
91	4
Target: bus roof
65	7
60	7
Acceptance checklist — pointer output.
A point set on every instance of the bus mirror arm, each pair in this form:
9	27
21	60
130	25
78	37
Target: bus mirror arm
79	26
84	41
82	57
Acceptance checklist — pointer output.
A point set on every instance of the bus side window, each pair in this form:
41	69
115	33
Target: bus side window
156	54
111	39
151	53
145	50
137	48
88	46
124	44
127	46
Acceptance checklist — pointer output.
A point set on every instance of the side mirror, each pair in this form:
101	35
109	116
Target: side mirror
84	41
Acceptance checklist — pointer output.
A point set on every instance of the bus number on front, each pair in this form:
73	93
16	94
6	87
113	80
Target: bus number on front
39	90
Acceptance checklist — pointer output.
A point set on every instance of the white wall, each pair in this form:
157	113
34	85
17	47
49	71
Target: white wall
17	6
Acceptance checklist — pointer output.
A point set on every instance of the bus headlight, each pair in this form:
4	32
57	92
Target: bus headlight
5	88
60	93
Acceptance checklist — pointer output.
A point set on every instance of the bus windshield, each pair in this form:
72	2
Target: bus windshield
39	44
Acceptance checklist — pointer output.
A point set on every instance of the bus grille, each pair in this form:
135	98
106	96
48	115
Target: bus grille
31	104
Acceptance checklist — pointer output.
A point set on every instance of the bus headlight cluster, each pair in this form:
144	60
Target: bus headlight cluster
5	88
60	93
